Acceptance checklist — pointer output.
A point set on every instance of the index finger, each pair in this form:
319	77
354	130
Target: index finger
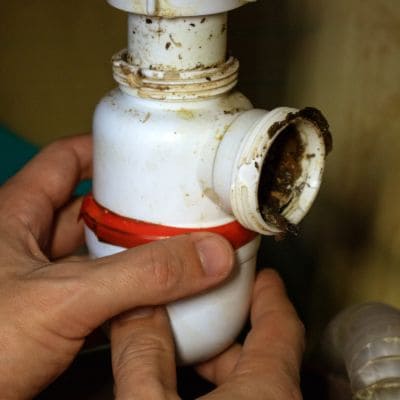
271	355
29	199
274	347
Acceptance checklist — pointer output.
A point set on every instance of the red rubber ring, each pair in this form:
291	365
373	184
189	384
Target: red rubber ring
127	232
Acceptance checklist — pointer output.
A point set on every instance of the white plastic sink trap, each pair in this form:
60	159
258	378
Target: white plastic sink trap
176	146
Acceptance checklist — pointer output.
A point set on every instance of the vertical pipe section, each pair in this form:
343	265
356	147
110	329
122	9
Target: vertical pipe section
177	44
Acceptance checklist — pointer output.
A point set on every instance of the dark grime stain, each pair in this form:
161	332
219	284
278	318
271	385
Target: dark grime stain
315	117
232	111
280	172
312	115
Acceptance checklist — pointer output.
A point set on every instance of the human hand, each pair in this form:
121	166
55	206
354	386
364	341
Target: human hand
48	305
266	367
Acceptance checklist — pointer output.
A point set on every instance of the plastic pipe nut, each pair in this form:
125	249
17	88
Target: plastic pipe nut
177	8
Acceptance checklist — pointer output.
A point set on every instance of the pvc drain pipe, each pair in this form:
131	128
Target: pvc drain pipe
177	149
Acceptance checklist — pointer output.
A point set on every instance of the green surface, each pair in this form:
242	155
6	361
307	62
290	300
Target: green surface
15	152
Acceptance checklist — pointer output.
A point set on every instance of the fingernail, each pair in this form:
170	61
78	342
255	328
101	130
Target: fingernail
137	313
215	255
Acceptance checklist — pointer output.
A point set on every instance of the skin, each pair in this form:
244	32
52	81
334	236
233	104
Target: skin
265	367
49	304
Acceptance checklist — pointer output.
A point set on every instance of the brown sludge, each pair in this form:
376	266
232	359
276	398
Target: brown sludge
280	172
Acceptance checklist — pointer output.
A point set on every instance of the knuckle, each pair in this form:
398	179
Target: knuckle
58	147
139	348
165	265
65	152
59	144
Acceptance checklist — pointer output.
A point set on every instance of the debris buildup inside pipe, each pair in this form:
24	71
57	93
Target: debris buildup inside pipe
280	173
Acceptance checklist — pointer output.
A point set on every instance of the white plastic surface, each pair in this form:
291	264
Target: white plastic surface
179	44
179	164
151	158
176	146
177	8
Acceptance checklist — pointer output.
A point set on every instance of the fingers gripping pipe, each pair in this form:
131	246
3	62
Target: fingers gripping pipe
177	149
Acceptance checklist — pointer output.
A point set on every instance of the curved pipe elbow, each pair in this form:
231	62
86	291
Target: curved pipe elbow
365	340
268	167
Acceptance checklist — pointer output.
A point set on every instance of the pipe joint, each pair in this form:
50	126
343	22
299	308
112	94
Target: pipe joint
177	8
268	167
175	86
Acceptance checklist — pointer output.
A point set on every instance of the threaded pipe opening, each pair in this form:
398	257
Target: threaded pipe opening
279	169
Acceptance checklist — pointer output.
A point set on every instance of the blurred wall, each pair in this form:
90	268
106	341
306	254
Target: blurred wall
347	62
55	64
341	56
344	58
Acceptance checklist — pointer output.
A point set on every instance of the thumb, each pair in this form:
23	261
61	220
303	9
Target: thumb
153	274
